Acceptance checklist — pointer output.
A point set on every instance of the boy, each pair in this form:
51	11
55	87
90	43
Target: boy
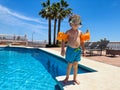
73	50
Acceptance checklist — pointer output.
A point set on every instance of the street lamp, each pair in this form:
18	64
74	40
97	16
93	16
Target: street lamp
32	36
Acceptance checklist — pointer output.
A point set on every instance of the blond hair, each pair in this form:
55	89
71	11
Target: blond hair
75	19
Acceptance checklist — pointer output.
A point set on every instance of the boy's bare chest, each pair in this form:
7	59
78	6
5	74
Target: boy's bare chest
74	35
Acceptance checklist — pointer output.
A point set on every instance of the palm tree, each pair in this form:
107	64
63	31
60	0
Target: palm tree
58	11
63	13
55	11
46	13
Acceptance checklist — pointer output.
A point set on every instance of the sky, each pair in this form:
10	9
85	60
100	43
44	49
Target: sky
101	17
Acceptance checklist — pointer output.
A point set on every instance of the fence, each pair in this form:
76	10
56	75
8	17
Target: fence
6	39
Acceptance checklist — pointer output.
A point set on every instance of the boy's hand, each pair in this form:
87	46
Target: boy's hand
63	52
84	54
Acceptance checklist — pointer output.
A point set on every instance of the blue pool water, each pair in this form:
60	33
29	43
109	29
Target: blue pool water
30	69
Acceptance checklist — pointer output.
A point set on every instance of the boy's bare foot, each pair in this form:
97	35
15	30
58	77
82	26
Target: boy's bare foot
65	80
77	82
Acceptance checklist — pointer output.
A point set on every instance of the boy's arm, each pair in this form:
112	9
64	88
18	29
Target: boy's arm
82	45
63	48
83	48
63	45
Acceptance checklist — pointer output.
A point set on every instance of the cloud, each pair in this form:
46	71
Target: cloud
10	19
17	15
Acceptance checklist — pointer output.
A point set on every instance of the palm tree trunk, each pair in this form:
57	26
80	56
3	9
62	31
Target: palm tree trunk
49	31
54	39
59	24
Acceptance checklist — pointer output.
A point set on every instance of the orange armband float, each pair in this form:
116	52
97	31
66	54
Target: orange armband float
85	37
62	36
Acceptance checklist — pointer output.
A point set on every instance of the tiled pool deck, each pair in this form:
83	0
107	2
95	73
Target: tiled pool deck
107	76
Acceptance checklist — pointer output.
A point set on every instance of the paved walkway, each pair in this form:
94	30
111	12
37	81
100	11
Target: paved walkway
107	76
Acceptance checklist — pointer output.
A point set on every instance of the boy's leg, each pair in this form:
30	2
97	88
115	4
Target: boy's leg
75	66
68	72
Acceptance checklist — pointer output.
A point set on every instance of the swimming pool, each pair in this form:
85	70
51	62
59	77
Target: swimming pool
31	69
